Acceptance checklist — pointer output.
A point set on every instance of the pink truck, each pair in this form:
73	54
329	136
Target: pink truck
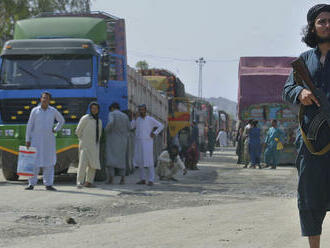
261	81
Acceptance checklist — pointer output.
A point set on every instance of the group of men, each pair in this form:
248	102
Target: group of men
41	135
313	167
249	145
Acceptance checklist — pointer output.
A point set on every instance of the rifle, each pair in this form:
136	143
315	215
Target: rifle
301	76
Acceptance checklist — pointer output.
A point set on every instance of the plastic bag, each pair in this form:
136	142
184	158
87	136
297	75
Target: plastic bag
279	146
26	161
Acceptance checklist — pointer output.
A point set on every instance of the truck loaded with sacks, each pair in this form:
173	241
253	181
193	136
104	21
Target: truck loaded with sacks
78	58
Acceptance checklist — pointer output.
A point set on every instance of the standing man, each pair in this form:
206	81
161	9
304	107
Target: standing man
89	132
117	134
143	155
40	133
222	138
254	145
246	143
313	170
211	137
272	154
194	133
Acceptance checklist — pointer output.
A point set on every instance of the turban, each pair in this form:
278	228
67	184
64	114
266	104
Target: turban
316	10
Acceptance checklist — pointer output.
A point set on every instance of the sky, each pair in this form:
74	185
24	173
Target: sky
173	34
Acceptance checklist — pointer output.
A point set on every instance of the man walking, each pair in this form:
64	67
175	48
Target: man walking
40	132
143	154
273	137
117	134
89	132
313	169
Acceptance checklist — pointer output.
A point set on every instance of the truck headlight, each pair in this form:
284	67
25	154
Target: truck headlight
66	132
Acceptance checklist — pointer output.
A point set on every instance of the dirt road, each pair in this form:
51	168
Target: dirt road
221	205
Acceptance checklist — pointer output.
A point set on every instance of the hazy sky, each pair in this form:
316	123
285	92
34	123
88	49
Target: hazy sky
172	34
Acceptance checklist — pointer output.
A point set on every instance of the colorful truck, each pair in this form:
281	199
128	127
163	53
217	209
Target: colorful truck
78	58
172	87
261	81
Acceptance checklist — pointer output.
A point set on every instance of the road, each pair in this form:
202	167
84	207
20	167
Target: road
220	205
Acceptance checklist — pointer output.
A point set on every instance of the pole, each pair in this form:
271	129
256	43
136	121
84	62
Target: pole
200	63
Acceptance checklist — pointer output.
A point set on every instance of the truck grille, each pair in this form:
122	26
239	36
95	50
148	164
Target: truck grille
17	111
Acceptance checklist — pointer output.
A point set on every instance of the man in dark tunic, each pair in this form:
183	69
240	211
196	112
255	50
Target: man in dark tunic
313	170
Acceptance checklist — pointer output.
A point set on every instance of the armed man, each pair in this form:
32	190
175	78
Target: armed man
309	86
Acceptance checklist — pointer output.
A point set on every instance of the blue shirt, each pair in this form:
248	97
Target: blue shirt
320	75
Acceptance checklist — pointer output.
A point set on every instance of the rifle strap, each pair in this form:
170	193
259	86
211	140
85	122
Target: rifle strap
308	144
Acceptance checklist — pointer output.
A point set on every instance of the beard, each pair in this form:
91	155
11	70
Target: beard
322	40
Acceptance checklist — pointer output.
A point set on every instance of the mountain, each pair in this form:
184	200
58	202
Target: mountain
224	104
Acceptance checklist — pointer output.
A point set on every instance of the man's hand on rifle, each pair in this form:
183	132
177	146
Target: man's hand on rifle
306	98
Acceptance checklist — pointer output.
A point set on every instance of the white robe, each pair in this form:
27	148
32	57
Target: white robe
143	152
39	132
222	137
89	151
164	162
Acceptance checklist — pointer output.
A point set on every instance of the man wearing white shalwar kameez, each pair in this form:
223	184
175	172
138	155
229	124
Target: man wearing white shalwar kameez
222	137
169	163
89	132
40	133
143	153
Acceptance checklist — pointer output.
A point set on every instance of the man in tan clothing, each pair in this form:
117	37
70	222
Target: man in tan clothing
89	132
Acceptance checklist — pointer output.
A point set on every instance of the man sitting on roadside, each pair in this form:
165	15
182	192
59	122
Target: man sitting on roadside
169	163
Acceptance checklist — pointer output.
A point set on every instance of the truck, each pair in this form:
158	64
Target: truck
261	81
78	58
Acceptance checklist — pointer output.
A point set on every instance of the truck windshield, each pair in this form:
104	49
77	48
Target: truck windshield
46	71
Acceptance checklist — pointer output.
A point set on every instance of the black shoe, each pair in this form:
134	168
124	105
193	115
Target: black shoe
30	187
51	188
173	179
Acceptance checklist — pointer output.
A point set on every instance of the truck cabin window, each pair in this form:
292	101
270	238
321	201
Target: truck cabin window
46	71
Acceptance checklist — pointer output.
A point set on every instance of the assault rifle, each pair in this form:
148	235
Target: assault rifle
301	73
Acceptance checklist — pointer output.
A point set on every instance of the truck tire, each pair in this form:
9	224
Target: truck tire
9	166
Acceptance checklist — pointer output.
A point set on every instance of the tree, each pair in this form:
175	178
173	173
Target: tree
13	10
142	65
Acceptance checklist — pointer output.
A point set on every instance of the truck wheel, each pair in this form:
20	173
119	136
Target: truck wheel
9	166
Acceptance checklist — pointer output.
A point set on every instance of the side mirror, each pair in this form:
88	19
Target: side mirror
105	68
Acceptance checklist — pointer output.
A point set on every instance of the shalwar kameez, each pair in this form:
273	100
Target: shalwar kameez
117	135
143	153
271	154
313	170
164	168
89	148
40	132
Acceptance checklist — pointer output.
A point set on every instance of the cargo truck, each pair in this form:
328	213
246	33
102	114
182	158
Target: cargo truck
78	58
261	81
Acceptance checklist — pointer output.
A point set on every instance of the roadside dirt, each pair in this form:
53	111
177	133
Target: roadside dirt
219	185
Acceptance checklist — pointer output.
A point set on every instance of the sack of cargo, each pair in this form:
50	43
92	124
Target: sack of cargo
26	161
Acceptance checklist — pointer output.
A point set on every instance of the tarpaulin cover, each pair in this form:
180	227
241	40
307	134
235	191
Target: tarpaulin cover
261	80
